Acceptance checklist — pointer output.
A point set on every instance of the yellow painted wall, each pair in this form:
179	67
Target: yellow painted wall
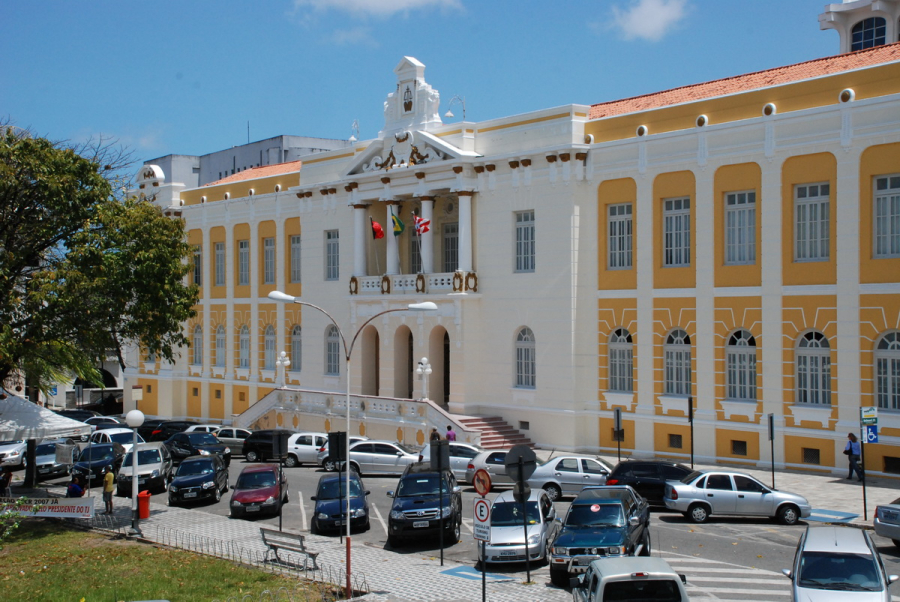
875	161
612	314
724	437
875	453
216	234
793	451
614	192
732	314
241	400
666	186
661	432
802	313
606	433
149	402
808	169
217	404
242	188
291	228
194	407
735	178
669	314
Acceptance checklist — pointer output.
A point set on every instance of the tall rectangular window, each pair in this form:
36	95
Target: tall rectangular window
332	255
740	228
198	265
220	264
811	227
243	262
619	238
295	259
268	261
451	247
415	254
887	216
677	232
525	241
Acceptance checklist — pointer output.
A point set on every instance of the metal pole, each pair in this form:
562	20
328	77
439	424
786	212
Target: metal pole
691	420
349	591
772	445
862	464
483	572
521	484
441	507
135	515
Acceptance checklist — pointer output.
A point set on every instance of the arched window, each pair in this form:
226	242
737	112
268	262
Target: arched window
220	346
621	361
678	363
740	357
868	33
197	356
295	349
332	351
269	347
244	347
813	369
887	371
525	369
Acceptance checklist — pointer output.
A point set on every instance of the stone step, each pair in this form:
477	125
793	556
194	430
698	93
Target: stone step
496	433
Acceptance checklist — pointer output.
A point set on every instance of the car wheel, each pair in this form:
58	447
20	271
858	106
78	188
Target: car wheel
394	541
217	495
368	526
171	502
290	461
553	491
645	551
559	578
252	456
313	527
454	532
788	515
355	468
225	485
329	465
698	513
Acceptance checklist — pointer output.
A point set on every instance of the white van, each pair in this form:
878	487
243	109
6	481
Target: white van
629	578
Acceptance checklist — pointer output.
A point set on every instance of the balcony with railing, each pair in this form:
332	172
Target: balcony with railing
411	284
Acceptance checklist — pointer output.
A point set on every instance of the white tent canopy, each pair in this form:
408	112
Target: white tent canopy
20	419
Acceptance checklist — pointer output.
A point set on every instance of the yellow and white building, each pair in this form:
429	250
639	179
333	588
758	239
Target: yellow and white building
733	244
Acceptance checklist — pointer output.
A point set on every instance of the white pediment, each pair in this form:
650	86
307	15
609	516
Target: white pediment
403	150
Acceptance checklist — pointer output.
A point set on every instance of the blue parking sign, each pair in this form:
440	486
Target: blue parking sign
870	433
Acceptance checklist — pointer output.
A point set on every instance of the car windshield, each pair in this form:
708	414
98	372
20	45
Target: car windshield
125	438
595	515
255	480
690	478
202	439
334	490
10	442
846	572
509	514
407	449
145	456
95	453
651	590
45	449
189	469
421	485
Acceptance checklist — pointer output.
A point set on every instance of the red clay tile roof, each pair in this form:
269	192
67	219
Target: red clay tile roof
750	81
260	172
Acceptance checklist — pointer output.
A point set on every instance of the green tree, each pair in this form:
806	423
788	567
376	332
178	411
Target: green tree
83	273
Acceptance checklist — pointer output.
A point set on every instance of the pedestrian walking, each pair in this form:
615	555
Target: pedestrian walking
109	485
435	435
5	480
853	451
451	434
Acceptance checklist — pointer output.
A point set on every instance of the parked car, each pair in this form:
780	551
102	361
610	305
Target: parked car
507	543
80	416
601	522
259	446
149	425
303	448
648	477
116	434
198	478
887	521
233	437
629	578
95	421
381	457
331	502
167	428
492	461
202	428
422	499
460	456
704	493
154	469
46	461
838	563
259	489
12	453
93	458
568	475
184	445
323	457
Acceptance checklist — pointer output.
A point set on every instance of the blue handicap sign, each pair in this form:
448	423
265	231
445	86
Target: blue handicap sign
467	572
871	433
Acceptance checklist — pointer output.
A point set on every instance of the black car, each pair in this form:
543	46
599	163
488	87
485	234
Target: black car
259	446
146	429
167	428
184	445
79	415
423	497
94	458
331	500
648	477
199	478
602	522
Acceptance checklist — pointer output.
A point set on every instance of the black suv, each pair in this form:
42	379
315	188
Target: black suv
648	477
183	445
199	478
167	428
258	447
417	508
602	522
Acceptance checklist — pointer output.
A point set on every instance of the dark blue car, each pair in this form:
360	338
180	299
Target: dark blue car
94	458
199	478
330	500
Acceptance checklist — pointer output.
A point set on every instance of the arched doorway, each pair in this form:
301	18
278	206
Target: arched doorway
439	358
403	363
371	364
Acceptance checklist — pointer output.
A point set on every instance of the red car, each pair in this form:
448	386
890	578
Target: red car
259	489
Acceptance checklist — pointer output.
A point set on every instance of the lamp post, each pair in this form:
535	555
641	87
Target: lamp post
348	350
423	370
456	99
134	419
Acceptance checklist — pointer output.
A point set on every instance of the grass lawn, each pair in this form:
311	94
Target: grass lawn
47	560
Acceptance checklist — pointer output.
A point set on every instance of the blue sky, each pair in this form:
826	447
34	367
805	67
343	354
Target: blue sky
185	76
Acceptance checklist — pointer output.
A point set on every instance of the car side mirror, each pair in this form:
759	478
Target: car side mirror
892	578
312	497
368	492
683	578
575	582
457	489
399	454
787	573
390	494
634	521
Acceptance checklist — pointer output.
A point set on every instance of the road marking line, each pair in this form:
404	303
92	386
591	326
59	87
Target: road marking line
736	590
468	525
716	579
303	526
374	508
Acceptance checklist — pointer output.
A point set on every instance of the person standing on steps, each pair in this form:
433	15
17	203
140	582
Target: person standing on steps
852	451
435	435
451	434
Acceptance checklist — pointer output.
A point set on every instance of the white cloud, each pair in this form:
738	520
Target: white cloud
377	8
649	20
359	36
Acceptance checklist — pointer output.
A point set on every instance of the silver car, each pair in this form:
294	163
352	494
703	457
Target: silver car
46	461
381	457
838	564
887	521
323	458
12	453
232	436
568	475
155	468
508	529
701	494
460	456
494	462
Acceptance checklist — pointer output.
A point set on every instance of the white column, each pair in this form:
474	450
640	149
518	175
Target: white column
643	258
231	333
427	239
704	344
281	267
208	256
361	237
393	251
254	303
465	230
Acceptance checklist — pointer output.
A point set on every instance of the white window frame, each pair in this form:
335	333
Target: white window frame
296	348
450	239
677	363
197	351
269	348
268	261
332	351
525	359
858	38
415	254
332	255
620	228
740	227
812	222
813	368
220	264
621	361
525	241
244	347
740	367
677	232
886	213
243	262
887	371
221	345
198	265
295	259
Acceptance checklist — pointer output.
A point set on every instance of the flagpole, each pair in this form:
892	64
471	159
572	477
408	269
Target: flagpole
419	238
375	251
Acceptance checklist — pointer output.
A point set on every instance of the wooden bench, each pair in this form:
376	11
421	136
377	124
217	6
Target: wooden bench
291	542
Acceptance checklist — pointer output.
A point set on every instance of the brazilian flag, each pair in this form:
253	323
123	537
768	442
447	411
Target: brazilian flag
398	225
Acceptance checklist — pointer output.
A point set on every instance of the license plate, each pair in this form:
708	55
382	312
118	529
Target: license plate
252	508
43	470
890	515
507	552
419	524
142	481
340	522
191	494
583	561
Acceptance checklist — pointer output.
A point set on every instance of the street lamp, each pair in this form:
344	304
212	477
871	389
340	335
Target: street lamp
348	350
134	419
423	370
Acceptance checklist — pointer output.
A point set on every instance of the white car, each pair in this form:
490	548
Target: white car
12	453
203	428
123	437
302	448
381	457
323	459
568	475
460	456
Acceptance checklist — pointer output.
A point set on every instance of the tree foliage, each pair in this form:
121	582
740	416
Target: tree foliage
83	273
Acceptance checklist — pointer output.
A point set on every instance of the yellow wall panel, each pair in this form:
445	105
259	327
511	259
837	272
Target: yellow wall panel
217	403
878	314
149	403
661	432
875	161
612	314
732	314
194	407
607	425
801	314
735	178
241	398
666	186
613	192
808	169
669	314
724	445
793	451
